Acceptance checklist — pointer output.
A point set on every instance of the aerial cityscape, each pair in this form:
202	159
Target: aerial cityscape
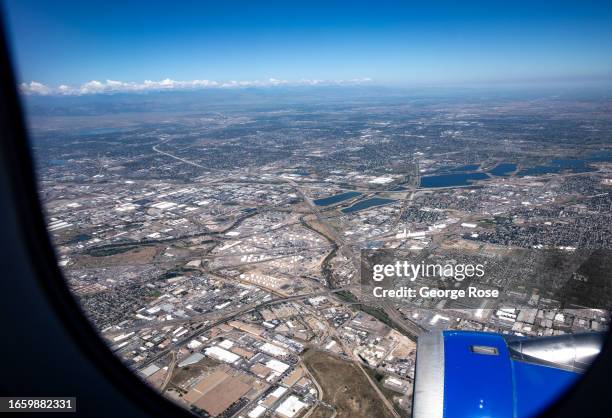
328	209
217	247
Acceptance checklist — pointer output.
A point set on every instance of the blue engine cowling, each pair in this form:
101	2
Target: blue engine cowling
461	374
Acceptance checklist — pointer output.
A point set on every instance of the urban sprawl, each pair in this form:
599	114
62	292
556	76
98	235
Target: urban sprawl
217	248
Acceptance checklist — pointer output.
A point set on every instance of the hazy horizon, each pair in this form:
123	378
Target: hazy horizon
75	48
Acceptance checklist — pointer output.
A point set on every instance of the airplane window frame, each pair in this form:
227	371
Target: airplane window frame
15	155
17	158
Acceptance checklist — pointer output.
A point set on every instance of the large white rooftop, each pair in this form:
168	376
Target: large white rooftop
221	354
290	407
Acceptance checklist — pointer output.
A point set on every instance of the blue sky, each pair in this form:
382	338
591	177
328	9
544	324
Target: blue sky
404	42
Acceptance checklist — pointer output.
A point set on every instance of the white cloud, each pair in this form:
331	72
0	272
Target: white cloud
115	86
275	82
311	82
93	86
35	88
64	89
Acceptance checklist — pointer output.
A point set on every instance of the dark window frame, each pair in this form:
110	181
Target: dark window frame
589	397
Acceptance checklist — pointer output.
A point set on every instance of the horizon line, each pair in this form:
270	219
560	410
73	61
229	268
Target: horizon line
108	87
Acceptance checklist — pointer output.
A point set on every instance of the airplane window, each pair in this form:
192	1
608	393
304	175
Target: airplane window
329	210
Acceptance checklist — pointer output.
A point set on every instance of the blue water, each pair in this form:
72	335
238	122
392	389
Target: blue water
462	175
503	169
449	180
368	203
332	200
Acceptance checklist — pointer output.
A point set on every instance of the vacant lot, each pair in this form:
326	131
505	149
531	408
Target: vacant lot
344	386
120	256
184	378
322	412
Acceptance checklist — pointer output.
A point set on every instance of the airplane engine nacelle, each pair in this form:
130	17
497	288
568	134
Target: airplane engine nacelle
477	374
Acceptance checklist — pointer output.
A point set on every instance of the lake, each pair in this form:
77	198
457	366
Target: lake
449	180
461	176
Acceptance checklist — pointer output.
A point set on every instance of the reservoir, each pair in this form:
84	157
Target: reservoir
332	200
461	176
449	180
368	203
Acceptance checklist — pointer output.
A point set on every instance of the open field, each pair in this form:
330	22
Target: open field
185	377
322	412
344	386
137	255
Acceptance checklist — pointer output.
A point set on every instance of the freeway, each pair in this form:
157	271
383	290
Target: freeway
406	326
226	318
329	230
176	158
347	251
